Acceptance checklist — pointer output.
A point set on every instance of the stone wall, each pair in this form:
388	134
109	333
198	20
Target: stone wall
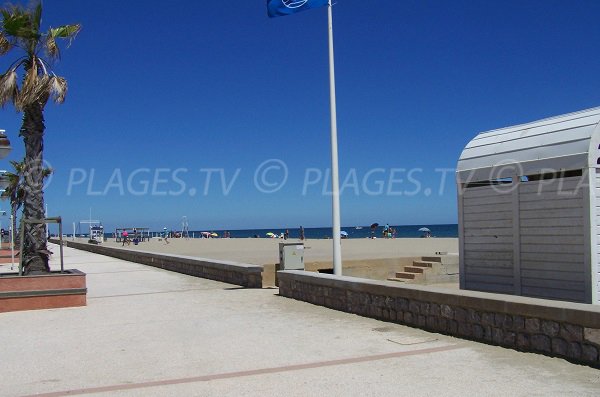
229	272
560	329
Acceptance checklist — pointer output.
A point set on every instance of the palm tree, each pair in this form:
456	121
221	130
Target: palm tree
20	30
15	191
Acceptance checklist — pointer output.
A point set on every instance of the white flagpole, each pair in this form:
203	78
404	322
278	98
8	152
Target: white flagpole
335	184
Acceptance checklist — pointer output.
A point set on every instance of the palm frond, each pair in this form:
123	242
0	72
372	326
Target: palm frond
58	89
31	73
36	16
43	86
20	28
15	191
19	166
51	47
62	32
4	44
17	22
27	93
46	172
36	88
65	31
36	91
8	88
14	20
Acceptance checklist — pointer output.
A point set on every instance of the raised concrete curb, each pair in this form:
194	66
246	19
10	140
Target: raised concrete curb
560	329
242	274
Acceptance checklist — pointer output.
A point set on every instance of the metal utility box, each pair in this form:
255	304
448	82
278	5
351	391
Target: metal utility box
291	256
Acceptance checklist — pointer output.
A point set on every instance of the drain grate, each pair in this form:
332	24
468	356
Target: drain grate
383	329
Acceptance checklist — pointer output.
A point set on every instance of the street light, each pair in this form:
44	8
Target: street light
4	182
5	147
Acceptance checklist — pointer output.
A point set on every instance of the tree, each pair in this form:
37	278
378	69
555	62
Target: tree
15	191
20	30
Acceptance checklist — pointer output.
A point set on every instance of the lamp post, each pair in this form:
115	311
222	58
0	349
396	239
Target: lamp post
5	147
5	150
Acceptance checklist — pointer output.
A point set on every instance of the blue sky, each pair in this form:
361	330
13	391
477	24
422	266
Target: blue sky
174	106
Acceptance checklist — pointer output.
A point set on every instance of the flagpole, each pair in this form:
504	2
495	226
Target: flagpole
335	184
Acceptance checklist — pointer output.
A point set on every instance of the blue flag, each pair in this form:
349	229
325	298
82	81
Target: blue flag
280	8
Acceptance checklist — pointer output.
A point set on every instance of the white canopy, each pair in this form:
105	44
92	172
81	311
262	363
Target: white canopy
561	143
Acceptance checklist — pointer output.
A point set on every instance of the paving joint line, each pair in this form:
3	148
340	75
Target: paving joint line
255	372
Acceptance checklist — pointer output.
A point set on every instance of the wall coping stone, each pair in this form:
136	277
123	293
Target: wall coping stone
195	259
249	275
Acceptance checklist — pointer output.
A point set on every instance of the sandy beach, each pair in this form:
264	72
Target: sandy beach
263	251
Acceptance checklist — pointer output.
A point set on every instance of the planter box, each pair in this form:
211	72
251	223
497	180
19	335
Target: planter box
46	291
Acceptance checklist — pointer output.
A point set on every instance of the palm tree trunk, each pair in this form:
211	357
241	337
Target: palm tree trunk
35	252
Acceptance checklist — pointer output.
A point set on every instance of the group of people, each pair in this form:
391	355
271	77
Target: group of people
389	232
285	235
127	240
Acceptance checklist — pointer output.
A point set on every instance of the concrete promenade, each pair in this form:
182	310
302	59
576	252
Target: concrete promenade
149	332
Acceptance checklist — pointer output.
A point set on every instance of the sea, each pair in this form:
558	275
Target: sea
402	231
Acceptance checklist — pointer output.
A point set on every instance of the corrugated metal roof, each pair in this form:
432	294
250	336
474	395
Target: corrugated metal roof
556	143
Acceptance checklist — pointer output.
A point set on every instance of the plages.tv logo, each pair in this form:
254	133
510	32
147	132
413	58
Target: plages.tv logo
294	3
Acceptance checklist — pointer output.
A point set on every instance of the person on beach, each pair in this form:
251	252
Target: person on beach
166	237
301	233
286	235
125	238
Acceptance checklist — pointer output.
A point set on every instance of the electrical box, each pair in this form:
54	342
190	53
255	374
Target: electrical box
291	256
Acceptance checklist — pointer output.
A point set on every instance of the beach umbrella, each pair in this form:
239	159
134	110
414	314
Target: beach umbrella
214	234
424	229
344	233
374	225
270	234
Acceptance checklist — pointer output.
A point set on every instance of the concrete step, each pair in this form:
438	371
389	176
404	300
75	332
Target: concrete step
432	259
431	270
399	280
423	263
407	275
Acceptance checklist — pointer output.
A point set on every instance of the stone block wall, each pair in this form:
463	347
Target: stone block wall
242	274
554	328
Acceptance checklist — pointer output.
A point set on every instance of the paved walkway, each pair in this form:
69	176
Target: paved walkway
148	332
